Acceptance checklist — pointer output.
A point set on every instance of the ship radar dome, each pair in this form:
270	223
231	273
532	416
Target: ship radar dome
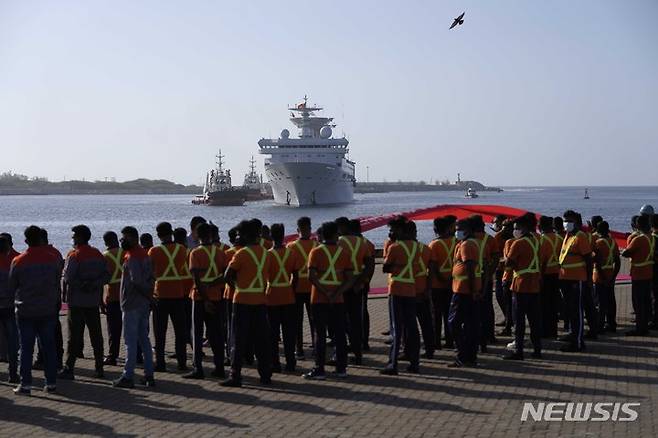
325	132
285	133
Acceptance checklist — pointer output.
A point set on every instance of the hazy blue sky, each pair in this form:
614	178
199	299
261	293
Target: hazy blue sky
524	93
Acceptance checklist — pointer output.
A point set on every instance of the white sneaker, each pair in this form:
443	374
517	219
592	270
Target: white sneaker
511	345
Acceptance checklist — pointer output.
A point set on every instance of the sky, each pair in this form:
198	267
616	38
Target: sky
523	93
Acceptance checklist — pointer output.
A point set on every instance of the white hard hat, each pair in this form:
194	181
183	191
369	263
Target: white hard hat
647	209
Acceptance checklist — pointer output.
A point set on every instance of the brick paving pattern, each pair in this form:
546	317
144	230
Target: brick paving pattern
485	401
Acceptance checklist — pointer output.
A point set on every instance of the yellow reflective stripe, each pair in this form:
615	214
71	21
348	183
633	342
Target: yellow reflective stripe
422	272
186	275
406	275
533	267
212	273
356	267
118	268
482	245
553	260
282	278
331	268
447	263
171	266
303	272
257	285
650	256
610	260
478	272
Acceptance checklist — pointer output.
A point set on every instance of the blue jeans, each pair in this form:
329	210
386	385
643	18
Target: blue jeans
28	330
9	329
136	332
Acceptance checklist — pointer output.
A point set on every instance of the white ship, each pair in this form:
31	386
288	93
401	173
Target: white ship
312	169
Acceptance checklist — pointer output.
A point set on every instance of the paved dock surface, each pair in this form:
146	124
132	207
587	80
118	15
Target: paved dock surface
486	401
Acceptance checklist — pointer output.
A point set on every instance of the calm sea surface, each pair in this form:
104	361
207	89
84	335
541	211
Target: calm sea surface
111	212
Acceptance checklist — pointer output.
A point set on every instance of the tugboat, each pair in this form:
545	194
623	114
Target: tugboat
253	185
471	193
218	190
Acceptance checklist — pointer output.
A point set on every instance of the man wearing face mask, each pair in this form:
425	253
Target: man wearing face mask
575	274
524	258
467	288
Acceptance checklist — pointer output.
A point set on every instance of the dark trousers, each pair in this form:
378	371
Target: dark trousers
641	295
591	308
507	297
607	305
441	302
654	284
10	334
59	345
249	322
188	319
78	318
327	316
213	323
527	305
403	312
486	312
283	324
42	328
424	316
114	325
564	305
228	308
303	300
550	291
365	337
463	322
174	309
573	303
353	301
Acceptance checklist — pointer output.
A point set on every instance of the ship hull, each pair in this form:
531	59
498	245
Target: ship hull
226	198
304	184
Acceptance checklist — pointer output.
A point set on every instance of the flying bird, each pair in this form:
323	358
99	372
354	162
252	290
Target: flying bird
458	21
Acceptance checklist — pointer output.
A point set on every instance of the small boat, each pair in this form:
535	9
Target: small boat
471	193
586	194
218	190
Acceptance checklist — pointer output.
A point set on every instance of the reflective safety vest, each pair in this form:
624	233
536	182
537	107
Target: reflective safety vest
482	246
303	272
282	278
330	276
652	249
186	274
447	264
118	266
553	260
257	285
406	275
212	273
566	248
422	269
478	270
354	249
610	261
171	273
533	267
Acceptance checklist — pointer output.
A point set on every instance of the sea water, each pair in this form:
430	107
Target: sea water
111	212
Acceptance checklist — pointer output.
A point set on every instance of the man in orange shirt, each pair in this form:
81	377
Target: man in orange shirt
207	264
442	249
114	257
654	233
524	258
330	273
302	248
169	261
550	286
606	267
362	263
180	237
467	291
399	264
489	256
641	251
355	230
500	237
229	290
423	291
247	272
281	310
575	275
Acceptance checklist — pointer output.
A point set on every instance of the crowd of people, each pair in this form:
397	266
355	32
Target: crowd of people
242	299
